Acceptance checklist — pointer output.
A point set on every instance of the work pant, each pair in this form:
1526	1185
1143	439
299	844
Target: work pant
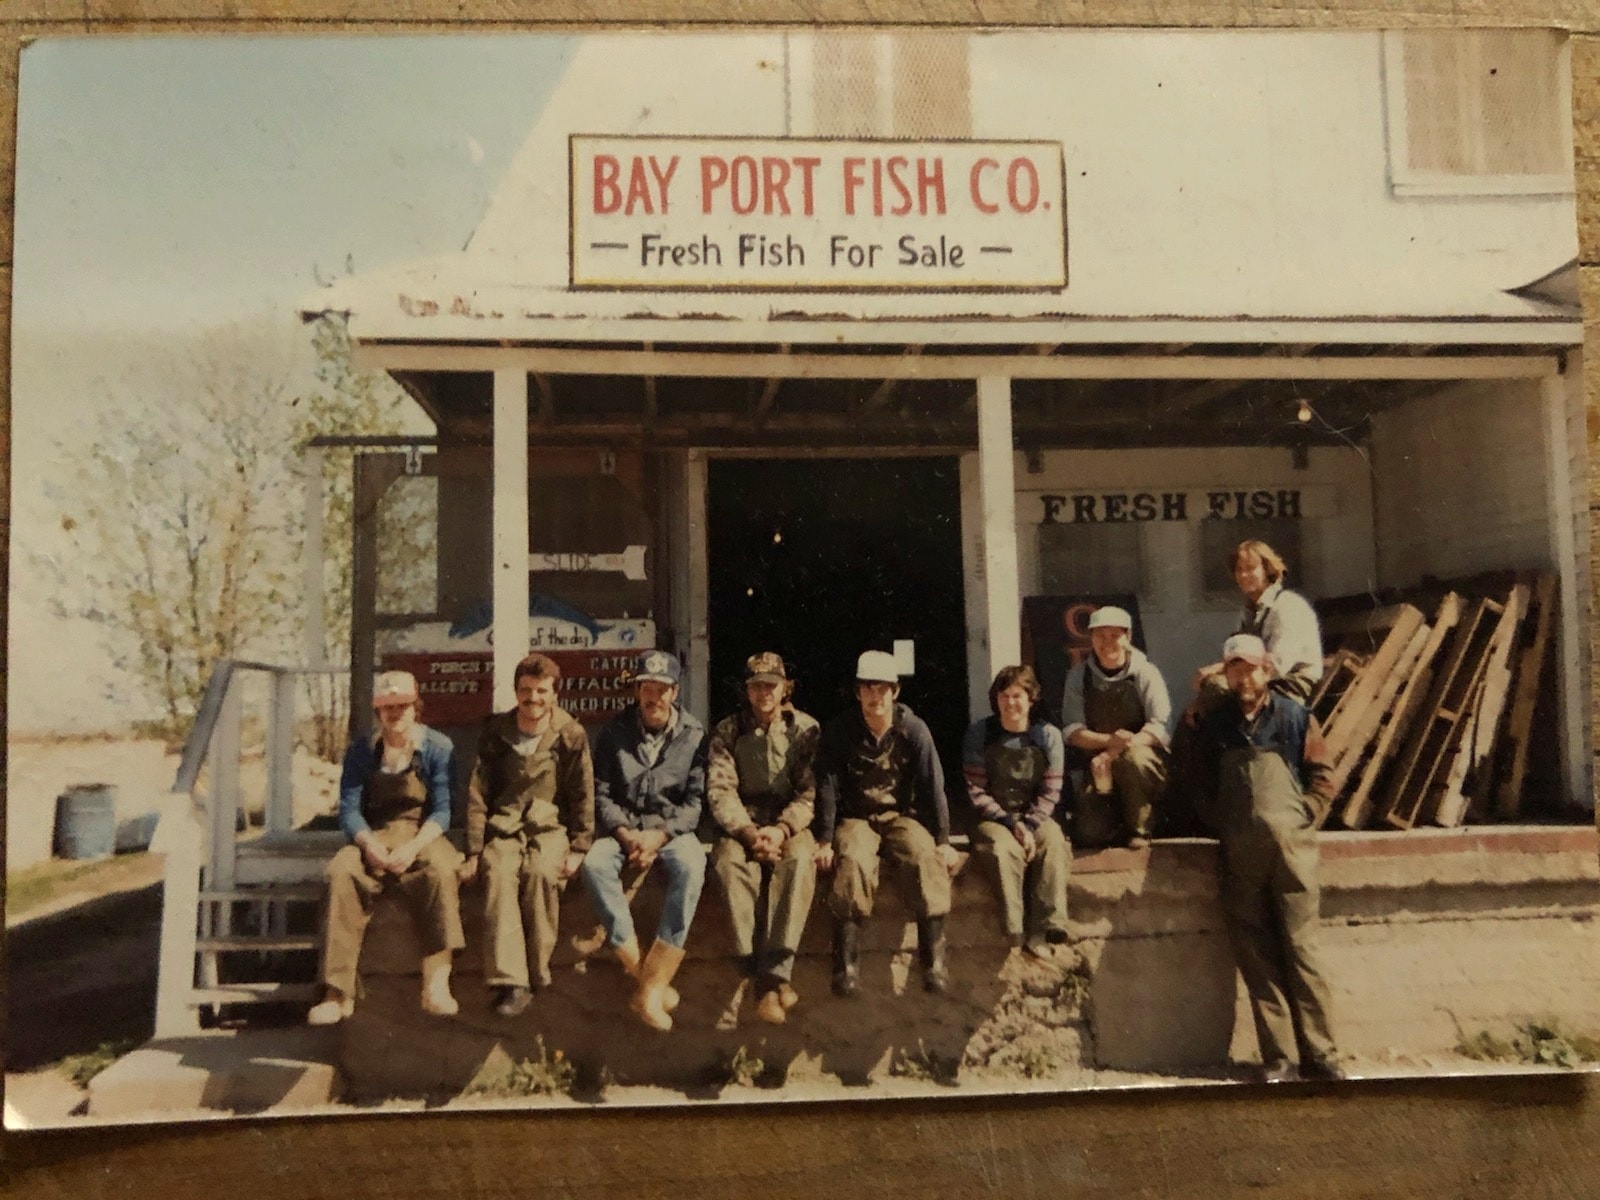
521	907
683	859
1032	894
772	898
429	890
906	842
1138	782
1271	900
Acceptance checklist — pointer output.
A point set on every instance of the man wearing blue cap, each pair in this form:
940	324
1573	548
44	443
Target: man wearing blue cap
649	789
1114	714
1261	756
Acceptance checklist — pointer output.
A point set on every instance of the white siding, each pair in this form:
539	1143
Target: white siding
1460	483
1184	628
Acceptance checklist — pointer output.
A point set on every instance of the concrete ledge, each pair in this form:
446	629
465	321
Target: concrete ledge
243	1072
1426	935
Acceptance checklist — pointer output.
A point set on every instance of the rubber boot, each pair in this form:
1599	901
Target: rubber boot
846	958
655	980
436	997
930	948
628	955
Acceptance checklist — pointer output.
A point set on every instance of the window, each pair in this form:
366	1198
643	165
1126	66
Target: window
1217	542
408	546
907	84
1478	112
1090	559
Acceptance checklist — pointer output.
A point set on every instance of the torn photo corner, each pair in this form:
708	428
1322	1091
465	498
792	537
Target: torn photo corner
698	569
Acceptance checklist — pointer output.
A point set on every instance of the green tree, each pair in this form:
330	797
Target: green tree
177	520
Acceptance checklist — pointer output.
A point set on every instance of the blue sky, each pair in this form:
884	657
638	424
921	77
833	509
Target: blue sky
163	182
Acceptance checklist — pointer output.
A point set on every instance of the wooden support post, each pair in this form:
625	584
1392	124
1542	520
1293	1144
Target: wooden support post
224	758
698	700
510	530
280	754
997	486
1572	648
312	558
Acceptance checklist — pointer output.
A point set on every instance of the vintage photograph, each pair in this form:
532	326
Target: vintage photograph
648	567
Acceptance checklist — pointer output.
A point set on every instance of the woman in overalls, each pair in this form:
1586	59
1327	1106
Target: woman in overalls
1012	762
394	807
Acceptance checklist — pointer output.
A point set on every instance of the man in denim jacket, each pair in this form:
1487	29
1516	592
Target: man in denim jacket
649	789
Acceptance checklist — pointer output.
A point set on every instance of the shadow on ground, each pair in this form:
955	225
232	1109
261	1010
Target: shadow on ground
80	978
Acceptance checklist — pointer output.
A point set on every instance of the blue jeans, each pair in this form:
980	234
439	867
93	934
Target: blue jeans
683	859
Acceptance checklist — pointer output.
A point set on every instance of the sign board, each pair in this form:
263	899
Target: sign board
457	689
1180	504
685	214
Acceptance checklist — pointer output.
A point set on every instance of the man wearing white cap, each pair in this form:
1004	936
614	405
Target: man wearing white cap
394	807
880	788
1114	714
1261	754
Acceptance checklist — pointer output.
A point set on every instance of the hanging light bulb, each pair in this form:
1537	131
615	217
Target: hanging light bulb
1303	414
749	591
777	537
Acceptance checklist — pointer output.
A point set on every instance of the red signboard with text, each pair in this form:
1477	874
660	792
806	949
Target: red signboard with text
457	689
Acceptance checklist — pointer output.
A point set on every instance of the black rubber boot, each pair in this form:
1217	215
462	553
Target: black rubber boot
930	948
846	958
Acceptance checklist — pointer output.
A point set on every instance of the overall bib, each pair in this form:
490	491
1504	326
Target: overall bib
1138	776
524	847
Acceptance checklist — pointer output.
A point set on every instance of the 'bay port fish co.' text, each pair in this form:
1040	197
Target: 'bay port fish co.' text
932	199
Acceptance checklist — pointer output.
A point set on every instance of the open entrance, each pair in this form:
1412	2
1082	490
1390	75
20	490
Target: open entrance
820	559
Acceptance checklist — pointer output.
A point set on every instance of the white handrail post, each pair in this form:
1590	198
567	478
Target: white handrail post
225	744
178	838
280	754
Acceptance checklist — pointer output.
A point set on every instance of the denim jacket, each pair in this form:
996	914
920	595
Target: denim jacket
432	757
667	795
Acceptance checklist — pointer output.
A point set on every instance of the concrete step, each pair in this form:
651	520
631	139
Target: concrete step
257	993
240	1072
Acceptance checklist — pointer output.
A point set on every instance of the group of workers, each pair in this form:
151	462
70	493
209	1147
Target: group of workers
791	800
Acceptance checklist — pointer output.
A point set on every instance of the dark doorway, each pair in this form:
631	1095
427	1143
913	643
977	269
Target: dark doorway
820	559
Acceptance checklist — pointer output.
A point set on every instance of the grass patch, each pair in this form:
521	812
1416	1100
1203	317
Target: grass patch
925	1065
1535	1043
37	886
547	1073
81	1068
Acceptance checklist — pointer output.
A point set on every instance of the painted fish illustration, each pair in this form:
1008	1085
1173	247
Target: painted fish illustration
481	616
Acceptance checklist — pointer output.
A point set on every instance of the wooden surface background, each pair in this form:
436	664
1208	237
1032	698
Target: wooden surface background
1500	1137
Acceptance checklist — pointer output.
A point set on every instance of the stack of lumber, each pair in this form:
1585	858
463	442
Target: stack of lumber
1428	704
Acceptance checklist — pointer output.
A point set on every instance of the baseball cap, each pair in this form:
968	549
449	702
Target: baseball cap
392	687
656	666
1110	615
877	666
1246	646
765	667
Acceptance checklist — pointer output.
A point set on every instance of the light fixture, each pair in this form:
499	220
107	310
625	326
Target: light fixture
1303	414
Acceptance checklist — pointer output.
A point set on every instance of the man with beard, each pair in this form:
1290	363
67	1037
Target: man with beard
762	793
530	821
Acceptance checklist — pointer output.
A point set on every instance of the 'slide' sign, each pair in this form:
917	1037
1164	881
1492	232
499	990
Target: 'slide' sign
680	214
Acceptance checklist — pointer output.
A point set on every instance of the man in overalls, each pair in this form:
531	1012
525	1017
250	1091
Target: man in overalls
394	807
762	793
880	788
1114	714
1260	753
530	820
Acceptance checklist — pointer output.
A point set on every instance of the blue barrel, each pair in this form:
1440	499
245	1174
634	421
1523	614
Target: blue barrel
86	821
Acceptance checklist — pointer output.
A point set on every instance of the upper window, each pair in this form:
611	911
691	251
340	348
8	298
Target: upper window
1091	559
1478	112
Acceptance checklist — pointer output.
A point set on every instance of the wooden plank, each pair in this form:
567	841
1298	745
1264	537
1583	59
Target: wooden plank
1383	706
1474	756
1358	809
240	942
256	993
1454	682
1339	673
1357	720
1525	696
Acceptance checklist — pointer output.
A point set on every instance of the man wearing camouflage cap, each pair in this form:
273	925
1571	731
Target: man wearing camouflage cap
1262	760
880	787
762	794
